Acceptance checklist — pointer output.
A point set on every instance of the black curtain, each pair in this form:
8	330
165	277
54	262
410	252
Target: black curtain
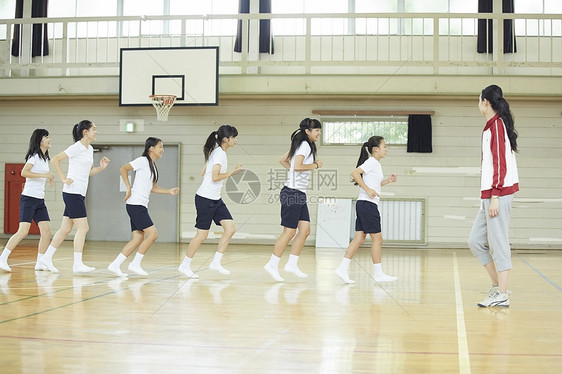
40	40
485	35
266	39
419	133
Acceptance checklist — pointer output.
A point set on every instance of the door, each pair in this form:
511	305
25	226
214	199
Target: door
107	217
13	186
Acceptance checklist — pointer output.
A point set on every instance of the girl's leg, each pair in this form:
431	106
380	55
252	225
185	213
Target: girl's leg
115	266
22	232
272	267
150	236
45	231
58	238
303	230
376	255
354	245
194	244
79	240
229	230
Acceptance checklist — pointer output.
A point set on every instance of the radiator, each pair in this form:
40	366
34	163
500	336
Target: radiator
402	221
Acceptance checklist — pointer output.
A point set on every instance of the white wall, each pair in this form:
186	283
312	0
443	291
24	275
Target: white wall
265	126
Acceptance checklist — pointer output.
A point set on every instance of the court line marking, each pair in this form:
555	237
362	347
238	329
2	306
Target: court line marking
464	356
540	274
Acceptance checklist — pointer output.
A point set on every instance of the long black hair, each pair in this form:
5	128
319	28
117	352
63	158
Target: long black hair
300	135
494	95
78	129
151	142
35	145
367	150
215	139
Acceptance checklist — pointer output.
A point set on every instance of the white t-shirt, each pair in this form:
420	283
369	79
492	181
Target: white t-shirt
209	189
298	180
80	161
372	176
35	187
140	192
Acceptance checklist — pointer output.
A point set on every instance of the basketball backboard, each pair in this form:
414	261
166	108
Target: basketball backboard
190	73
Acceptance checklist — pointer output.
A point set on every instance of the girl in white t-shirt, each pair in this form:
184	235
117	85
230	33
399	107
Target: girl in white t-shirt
32	199
144	231
369	176
208	202
80	157
295	218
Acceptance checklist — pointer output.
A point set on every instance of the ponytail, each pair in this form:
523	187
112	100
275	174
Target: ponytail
78	129
151	142
367	150
494	95
215	139
300	135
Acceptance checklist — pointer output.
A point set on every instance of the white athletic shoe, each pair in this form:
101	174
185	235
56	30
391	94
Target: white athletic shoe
116	270
295	270
4	266
40	267
381	278
49	265
343	275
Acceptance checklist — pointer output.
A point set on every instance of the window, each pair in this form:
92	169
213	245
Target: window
7	11
357	130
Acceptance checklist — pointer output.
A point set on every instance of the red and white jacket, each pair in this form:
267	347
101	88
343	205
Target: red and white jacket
499	169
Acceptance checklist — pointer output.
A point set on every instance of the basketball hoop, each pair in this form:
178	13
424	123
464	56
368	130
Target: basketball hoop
163	104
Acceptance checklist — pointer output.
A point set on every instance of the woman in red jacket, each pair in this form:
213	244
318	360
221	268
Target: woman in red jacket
489	239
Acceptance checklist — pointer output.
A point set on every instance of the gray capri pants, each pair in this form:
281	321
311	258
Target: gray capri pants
489	238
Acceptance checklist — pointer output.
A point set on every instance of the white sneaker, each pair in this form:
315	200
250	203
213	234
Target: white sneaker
49	265
218	267
295	270
381	278
497	299
40	267
137	269
81	268
185	270
274	272
116	270
343	275
4	266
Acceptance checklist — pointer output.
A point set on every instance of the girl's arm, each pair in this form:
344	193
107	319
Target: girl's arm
103	164
124	170
218	176
172	191
27	173
299	166
55	161
393	178
284	161
356	175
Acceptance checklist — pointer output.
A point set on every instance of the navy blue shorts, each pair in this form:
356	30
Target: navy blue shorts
140	219
210	210
74	205
368	217
293	207
32	208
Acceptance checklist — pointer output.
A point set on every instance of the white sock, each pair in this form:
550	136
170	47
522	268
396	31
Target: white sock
78	258
137	260
218	257
378	269
187	261
345	263
40	256
119	259
292	263
5	253
49	253
274	260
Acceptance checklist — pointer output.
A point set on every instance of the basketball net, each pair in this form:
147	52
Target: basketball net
163	104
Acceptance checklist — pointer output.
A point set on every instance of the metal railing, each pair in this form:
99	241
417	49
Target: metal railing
397	43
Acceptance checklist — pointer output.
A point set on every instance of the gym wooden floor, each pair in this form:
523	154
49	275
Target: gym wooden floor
426	322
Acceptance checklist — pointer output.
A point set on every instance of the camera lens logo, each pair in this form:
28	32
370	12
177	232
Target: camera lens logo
244	187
